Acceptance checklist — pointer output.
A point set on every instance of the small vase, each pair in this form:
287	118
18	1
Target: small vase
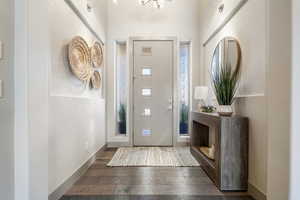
225	110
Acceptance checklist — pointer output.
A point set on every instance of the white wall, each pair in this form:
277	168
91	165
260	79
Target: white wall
126	19
249	27
76	113
35	126
21	102
7	102
253	62
295	137
279	98
31	99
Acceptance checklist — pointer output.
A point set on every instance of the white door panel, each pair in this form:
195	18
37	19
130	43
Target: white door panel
153	93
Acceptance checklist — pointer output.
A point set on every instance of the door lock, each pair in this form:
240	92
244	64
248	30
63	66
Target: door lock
170	107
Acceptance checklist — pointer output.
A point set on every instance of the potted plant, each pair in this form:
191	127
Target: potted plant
184	118
225	84
122	119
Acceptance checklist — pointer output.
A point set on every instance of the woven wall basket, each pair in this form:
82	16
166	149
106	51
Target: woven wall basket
80	59
96	80
97	55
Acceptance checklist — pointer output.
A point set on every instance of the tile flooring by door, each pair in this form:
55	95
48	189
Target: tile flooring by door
145	183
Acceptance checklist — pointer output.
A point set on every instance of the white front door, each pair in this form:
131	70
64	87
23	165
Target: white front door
153	93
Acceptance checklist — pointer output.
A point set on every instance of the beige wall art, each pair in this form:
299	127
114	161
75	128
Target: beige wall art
85	61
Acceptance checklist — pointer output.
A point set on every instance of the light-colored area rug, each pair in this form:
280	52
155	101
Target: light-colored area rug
153	157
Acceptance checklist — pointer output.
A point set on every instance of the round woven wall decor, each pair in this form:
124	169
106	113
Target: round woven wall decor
97	54
80	59
96	80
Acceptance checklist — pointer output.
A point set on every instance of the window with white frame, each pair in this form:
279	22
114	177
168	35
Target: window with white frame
121	87
184	85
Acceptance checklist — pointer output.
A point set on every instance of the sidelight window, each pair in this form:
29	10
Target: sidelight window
184	84
121	87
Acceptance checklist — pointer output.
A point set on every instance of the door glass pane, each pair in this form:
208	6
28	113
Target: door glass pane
121	94
184	87
147	51
147	112
146	92
146	71
146	132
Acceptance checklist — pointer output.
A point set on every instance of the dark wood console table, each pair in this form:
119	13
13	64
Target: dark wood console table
229	135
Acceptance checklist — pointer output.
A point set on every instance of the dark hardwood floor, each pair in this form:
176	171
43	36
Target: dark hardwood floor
145	183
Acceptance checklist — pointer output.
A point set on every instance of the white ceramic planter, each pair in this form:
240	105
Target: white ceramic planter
225	110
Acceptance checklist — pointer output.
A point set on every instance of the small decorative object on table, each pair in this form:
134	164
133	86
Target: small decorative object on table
225	73
208	109
208	152
201	94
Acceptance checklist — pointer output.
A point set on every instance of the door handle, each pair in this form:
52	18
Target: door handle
170	106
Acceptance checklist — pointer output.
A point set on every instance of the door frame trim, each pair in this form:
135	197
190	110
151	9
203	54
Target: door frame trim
130	117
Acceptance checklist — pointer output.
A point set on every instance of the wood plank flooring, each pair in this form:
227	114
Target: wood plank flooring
145	183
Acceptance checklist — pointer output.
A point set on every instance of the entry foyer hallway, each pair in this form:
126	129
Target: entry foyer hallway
52	122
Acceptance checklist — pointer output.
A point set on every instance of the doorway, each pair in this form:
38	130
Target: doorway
153	96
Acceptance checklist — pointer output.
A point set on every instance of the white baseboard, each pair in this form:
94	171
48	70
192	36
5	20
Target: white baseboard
118	144
256	193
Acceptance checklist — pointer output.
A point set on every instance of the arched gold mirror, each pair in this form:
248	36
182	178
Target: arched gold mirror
226	54
225	71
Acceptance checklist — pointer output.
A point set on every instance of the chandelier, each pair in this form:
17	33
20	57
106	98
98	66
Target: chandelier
154	3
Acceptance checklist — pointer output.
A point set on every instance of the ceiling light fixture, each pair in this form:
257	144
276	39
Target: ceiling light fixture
221	8
153	3
89	5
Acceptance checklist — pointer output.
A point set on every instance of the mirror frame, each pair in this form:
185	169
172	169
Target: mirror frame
239	53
